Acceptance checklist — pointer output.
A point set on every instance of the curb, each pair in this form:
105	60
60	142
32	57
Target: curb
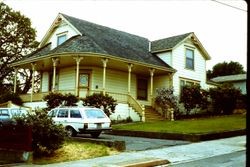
178	136
143	163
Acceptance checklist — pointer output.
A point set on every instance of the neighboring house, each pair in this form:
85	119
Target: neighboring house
239	81
82	58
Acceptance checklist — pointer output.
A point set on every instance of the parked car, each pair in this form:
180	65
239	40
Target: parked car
7	115
76	120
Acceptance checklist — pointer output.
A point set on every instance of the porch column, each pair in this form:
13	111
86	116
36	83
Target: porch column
55	61
104	61
129	76
15	78
32	81
78	60
151	81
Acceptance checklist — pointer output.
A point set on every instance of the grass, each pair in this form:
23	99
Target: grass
189	126
76	150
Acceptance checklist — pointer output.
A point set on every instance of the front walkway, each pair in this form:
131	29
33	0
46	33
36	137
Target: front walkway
175	154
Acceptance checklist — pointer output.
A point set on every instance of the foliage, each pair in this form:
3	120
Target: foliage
55	99
17	38
193	97
166	99
99	100
70	99
224	98
9	96
46	135
222	69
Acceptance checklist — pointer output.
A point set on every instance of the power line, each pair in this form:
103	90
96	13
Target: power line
229	5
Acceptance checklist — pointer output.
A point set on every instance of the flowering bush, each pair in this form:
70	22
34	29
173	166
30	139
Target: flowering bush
166	99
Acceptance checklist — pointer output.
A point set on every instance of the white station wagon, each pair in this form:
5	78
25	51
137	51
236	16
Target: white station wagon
81	120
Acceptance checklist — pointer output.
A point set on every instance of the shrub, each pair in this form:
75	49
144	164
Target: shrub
166	99
56	99
193	97
70	99
46	136
99	100
224	98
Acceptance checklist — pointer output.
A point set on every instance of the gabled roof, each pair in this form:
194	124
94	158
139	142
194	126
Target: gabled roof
94	38
167	43
230	78
114	42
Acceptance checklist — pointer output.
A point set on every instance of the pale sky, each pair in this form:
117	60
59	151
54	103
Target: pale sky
221	29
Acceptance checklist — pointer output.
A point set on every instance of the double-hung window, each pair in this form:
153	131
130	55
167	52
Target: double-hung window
190	59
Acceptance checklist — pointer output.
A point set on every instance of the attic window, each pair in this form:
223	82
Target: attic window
61	39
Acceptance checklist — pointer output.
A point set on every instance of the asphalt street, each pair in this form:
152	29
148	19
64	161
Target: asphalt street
139	143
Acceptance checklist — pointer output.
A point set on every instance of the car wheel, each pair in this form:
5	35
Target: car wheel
95	134
71	132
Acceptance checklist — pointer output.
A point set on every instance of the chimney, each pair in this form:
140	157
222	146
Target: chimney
149	46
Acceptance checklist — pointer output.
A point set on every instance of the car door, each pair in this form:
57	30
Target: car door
5	117
62	116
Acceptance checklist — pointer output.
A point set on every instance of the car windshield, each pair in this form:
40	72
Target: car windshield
95	113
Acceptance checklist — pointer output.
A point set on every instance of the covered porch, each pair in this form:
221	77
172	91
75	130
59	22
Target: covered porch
83	74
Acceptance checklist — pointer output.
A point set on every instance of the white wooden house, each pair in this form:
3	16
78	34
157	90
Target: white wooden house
79	57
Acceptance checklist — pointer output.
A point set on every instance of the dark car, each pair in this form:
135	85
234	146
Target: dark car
7	115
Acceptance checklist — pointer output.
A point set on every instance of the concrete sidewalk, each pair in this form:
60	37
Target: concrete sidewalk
175	154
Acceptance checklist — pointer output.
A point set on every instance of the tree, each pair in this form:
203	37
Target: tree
222	69
17	39
224	98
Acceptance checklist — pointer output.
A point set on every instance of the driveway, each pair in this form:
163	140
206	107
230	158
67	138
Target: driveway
139	143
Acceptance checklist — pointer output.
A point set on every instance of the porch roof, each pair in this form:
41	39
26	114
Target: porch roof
99	39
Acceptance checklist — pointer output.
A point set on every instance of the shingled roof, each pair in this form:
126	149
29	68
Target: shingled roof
167	43
113	42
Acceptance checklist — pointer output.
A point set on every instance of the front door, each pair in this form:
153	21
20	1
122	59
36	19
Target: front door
84	84
142	89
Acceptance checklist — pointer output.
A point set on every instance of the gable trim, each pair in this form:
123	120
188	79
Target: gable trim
53	26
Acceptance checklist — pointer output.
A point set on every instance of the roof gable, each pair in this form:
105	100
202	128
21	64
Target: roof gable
167	43
172	42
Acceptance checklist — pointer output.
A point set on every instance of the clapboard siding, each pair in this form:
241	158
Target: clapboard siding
67	78
161	82
166	57
199	72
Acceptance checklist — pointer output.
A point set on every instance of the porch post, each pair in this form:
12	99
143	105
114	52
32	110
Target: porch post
129	76
151	81
32	81
104	61
15	78
78	60
55	61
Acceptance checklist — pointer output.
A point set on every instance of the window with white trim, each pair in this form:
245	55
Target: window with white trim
189	59
184	82
61	39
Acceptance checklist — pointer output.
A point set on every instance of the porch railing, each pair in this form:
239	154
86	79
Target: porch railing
140	109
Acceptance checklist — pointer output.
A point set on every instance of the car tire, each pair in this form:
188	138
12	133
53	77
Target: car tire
95	134
70	132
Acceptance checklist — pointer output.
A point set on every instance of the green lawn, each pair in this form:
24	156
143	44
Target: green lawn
189	126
